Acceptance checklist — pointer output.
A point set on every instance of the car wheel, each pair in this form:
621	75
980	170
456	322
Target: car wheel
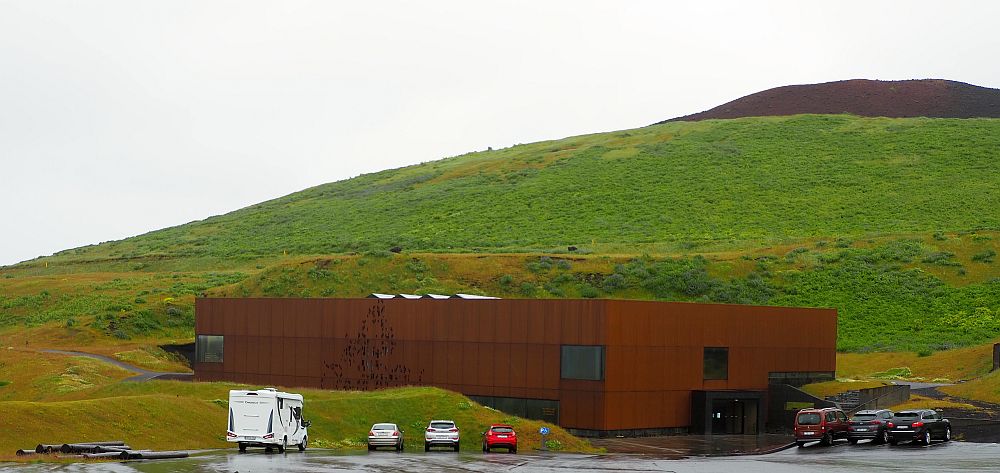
827	439
427	447
268	449
513	450
947	434
800	444
243	447
302	445
927	437
884	437
487	449
456	447
852	441
893	442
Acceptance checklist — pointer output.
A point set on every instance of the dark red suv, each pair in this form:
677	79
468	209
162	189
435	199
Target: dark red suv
825	425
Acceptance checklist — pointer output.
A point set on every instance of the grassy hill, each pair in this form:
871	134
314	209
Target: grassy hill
892	221
714	184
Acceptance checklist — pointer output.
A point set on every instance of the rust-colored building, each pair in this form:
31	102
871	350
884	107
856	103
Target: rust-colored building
593	366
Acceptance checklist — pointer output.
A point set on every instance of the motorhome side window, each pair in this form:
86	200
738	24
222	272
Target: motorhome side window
209	348
297	412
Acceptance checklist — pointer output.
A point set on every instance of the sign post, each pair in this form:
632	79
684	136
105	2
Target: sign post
545	433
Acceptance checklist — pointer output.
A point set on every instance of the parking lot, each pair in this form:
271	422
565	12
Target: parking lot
939	457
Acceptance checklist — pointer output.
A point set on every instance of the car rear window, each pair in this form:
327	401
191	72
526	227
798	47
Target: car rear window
910	415
863	417
384	427
442	425
503	430
809	418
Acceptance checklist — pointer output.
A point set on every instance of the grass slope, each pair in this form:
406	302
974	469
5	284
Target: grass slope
726	182
150	415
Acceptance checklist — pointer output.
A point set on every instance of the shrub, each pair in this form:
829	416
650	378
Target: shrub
528	289
564	265
984	256
941	258
506	280
587	291
939	236
614	282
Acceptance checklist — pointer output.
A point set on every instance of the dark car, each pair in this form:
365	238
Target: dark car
825	425
500	435
921	425
872	425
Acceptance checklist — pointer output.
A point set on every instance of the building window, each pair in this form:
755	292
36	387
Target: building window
582	362
208	349
716	363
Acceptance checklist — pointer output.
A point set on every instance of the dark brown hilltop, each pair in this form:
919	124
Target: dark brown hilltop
868	98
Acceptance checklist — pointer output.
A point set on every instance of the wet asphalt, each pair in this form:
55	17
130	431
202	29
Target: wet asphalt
939	457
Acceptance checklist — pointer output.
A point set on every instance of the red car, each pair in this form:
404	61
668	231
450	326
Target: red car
825	425
500	435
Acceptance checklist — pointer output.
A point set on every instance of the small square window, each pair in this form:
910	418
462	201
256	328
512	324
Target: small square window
209	348
716	363
582	362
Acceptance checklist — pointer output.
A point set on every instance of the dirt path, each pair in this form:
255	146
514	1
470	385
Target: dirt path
143	374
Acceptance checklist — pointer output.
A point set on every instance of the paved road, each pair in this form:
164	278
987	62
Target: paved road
143	374
841	458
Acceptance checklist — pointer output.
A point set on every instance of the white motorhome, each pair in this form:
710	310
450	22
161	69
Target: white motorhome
266	418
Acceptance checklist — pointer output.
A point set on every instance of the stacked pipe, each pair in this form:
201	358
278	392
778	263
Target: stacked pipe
105	449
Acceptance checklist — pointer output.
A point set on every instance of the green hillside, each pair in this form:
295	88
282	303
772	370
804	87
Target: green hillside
723	183
892	221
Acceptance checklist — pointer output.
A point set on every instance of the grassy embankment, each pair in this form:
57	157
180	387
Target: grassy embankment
54	398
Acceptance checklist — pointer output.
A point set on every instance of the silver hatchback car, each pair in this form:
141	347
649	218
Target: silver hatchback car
385	435
441	433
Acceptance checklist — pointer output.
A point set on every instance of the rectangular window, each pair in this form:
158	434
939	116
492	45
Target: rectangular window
716	363
208	349
582	362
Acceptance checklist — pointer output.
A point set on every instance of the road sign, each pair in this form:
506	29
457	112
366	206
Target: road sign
544	431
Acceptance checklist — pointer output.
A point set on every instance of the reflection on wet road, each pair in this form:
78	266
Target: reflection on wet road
941	457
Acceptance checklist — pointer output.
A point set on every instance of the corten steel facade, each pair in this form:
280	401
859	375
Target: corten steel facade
653	367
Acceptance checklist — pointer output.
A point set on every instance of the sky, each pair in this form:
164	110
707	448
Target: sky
122	117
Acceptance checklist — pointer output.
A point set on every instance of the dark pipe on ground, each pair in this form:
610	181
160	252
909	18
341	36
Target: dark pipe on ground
24	452
78	448
47	448
104	443
112	448
122	455
134	455
92	448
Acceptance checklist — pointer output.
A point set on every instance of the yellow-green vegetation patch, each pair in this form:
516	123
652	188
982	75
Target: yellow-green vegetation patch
986	388
957	364
153	358
156	421
924	402
35	376
830	388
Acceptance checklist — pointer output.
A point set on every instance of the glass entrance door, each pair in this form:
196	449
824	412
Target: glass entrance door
734	416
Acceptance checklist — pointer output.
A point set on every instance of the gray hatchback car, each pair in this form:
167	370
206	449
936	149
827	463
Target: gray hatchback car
870	424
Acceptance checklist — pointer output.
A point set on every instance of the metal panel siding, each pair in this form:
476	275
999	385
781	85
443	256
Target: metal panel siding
512	347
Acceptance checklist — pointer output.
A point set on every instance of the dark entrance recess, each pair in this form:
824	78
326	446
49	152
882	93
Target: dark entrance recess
726	412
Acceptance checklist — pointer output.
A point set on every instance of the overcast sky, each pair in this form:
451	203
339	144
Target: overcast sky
122	117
